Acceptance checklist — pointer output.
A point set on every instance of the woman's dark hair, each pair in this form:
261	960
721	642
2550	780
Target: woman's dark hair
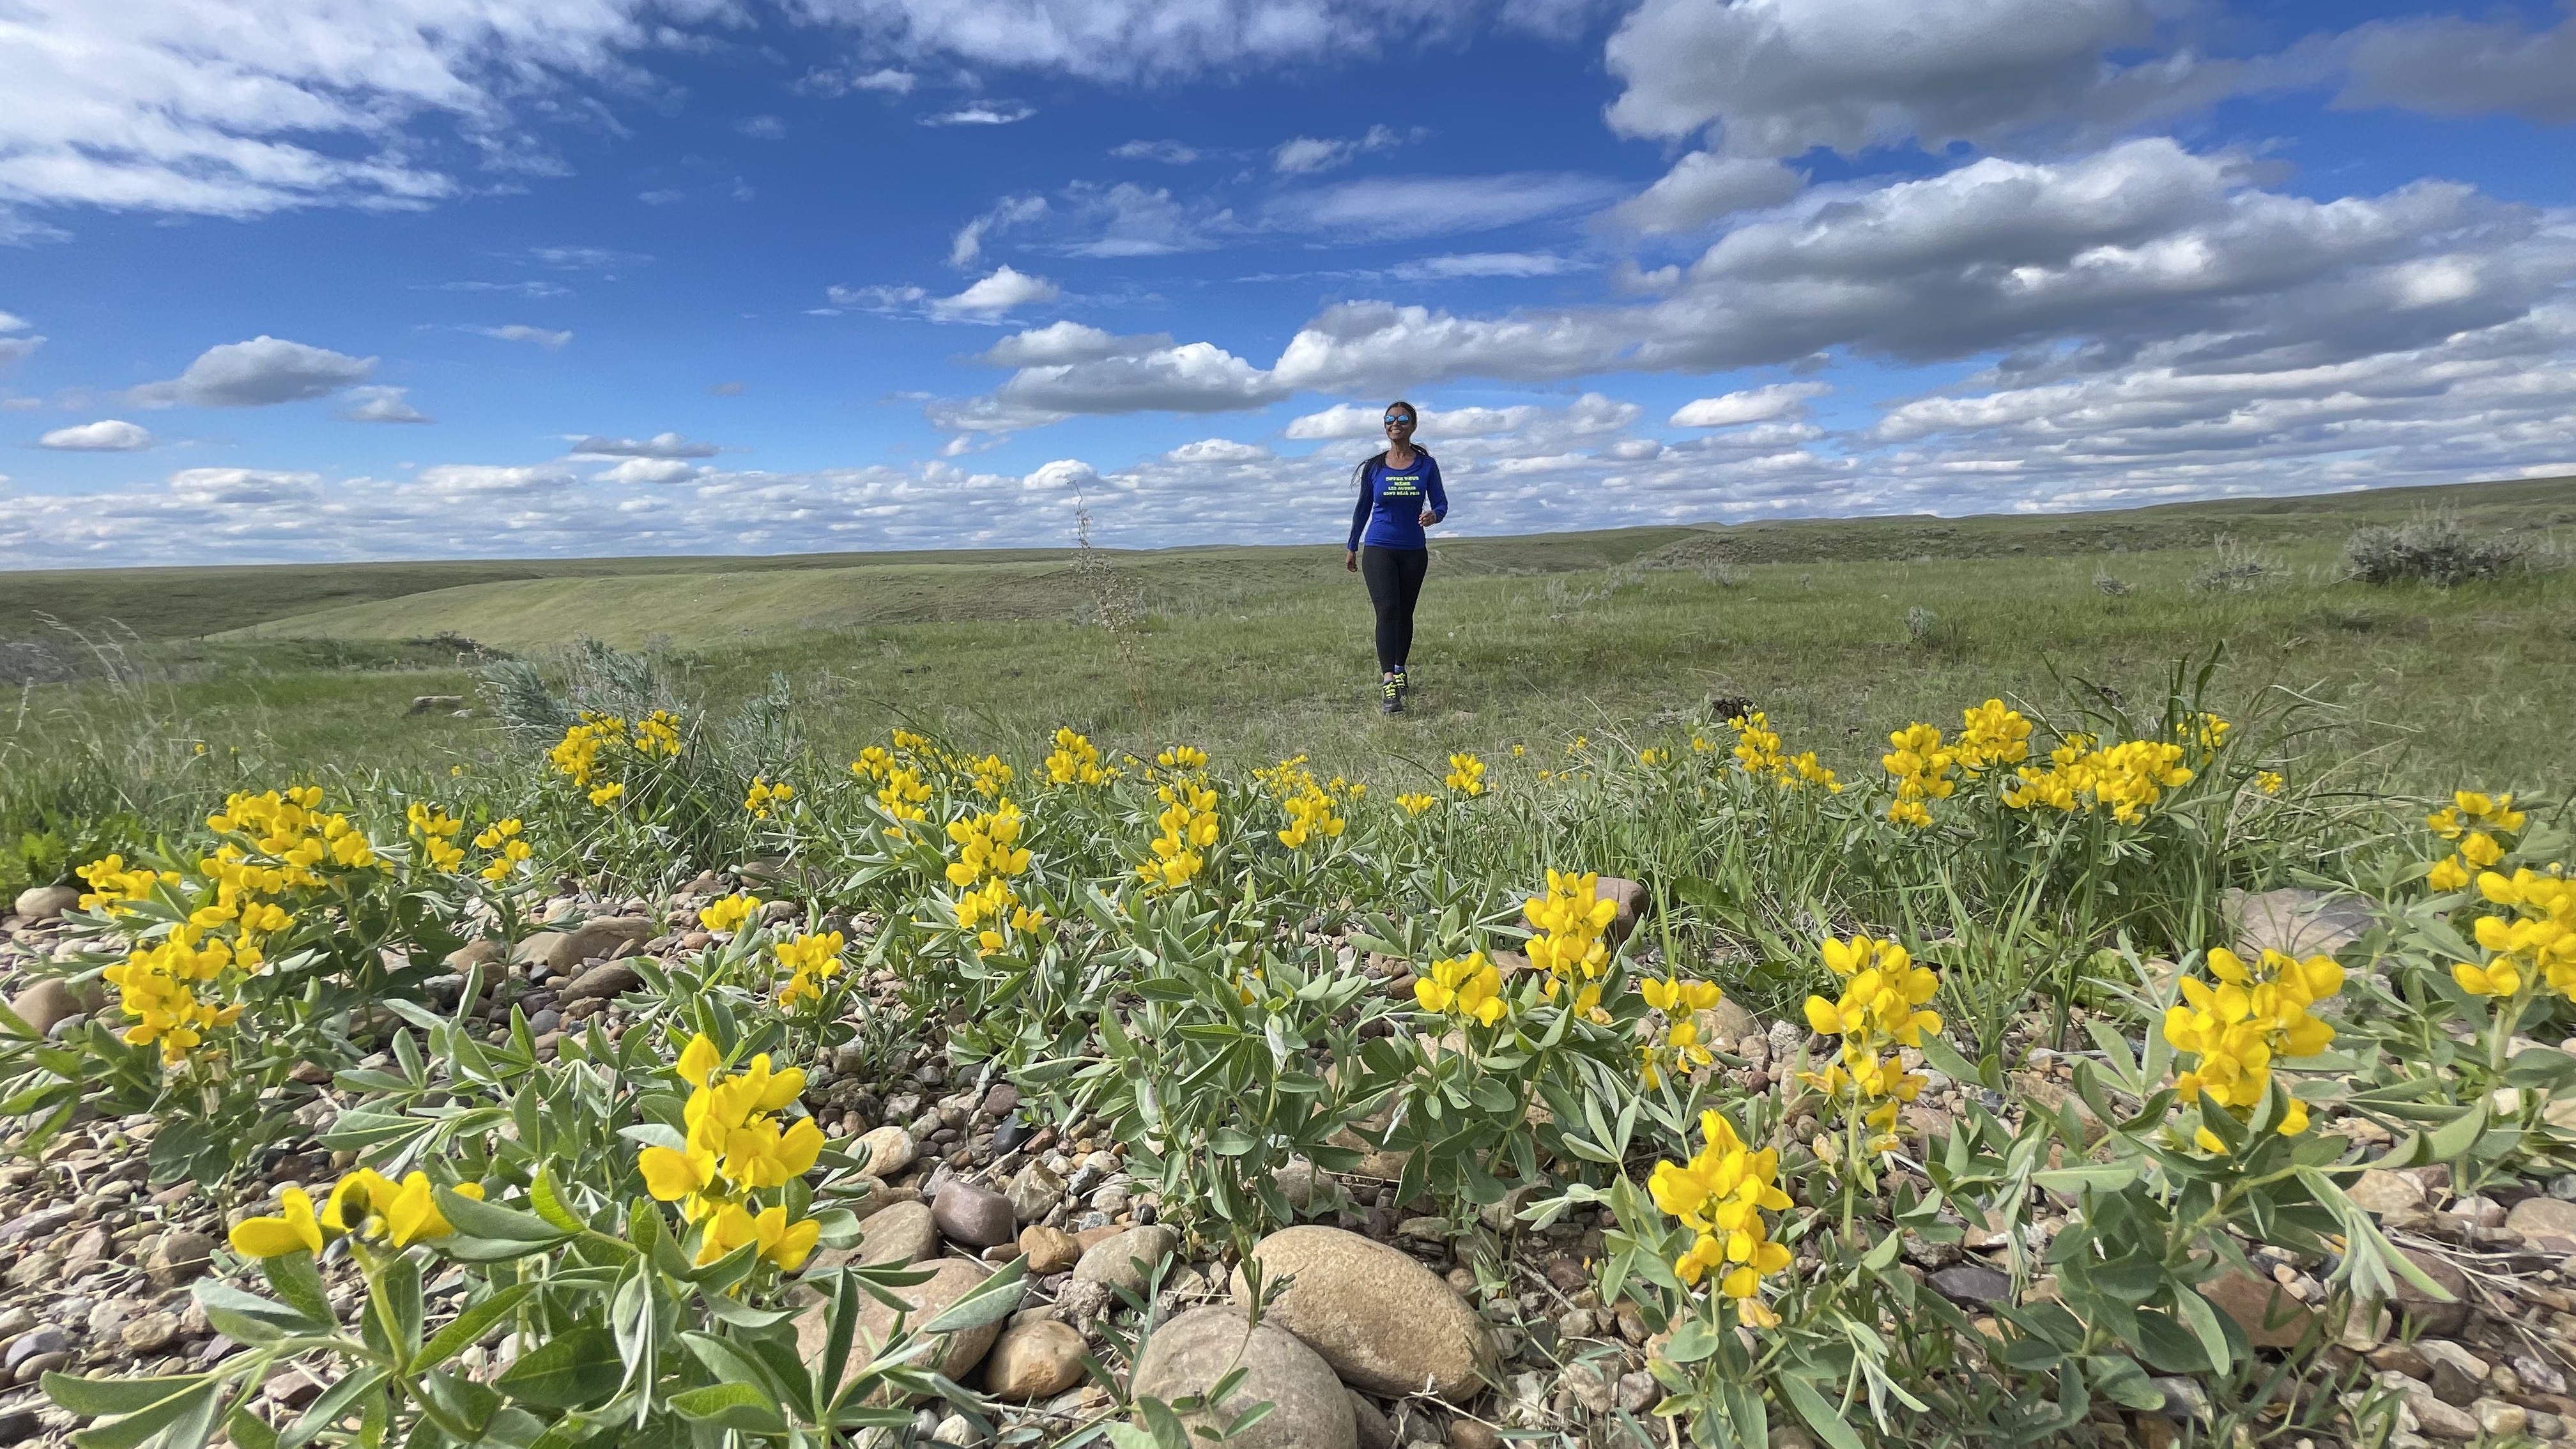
1359	476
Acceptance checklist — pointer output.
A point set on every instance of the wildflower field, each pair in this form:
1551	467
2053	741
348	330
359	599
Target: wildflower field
1686	1030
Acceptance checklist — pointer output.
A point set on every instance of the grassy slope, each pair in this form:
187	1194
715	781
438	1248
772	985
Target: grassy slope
1264	652
707	600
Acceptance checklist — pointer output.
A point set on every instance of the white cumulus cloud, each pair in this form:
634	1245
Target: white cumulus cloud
659	446
649	470
995	295
548	338
107	435
259	373
382	405
1756	405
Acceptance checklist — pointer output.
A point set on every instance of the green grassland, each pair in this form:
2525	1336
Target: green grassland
1264	652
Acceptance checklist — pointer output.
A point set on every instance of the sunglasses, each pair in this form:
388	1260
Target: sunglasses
1393	418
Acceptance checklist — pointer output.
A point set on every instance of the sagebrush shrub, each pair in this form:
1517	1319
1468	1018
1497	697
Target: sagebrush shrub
2432	548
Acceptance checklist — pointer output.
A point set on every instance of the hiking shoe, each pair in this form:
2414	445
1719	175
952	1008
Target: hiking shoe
1390	696
1403	684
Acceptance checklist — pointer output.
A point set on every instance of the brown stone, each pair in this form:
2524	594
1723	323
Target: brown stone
1384	1322
1189	1354
952	1279
1034	1361
597	937
2430	1313
2270	1316
2548	1224
1050	1250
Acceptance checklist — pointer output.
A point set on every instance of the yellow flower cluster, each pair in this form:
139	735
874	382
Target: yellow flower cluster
1992	735
276	843
1880	1011
767	799
608	794
436	831
1921	769
1415	803
734	1149
729	913
156	985
1680	1049
112	884
290	827
989	775
2235	1029
2538	940
1466	775
1758	753
1652	758
988	852
810	961
1720	1195
1074	761
903	797
2127	779
508	849
2269	781
1188	827
1470	986
1569	921
577	755
987	845
1308	802
2471	823
365	1204
1191	760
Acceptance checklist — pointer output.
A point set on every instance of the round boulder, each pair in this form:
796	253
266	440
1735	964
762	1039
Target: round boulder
1308	1408
47	902
1034	1361
1384	1322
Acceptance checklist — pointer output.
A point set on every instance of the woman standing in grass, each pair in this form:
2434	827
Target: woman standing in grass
1400	495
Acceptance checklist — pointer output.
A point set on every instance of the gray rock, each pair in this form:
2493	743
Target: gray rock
47	902
1035	1192
181	1259
563	950
2294	921
1034	1360
1383	1321
1113	1260
956	1357
1186	1356
904	1233
2548	1224
47	1339
1969	1283
977	1216
2436	1419
890	1149
1375	1432
606	980
43	1003
151	1333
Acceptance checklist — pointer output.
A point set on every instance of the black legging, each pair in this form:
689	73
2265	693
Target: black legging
1394	582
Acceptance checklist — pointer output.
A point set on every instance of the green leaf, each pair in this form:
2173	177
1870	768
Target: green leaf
573	1369
2097	1176
993	1299
731	1406
174	1411
331	1407
500	1224
247	1317
2202	1319
1820	1416
247	1431
397	1300
468	1328
2457	1136
1692	1341
93	1397
299	1282
2119	1377
549	1204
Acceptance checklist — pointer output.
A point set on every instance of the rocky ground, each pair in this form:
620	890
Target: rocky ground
1385	1336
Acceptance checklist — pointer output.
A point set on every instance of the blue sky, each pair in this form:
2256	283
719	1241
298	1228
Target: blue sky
289	280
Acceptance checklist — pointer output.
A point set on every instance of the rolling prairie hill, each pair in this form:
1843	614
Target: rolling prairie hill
703	601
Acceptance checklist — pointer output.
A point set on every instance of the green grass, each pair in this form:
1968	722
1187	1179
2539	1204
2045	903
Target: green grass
1262	653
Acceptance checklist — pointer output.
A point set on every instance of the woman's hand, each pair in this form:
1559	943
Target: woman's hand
1351	561
1429	518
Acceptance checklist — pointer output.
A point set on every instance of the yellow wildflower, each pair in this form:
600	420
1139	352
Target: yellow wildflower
1720	1195
2235	1029
1466	987
1466	775
1416	803
729	913
1569	921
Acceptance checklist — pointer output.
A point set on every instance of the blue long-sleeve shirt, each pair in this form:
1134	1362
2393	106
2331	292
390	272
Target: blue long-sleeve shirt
1389	514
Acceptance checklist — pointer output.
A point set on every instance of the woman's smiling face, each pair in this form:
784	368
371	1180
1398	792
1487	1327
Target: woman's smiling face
1399	425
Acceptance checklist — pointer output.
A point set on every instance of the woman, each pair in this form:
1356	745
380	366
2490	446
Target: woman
1400	495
